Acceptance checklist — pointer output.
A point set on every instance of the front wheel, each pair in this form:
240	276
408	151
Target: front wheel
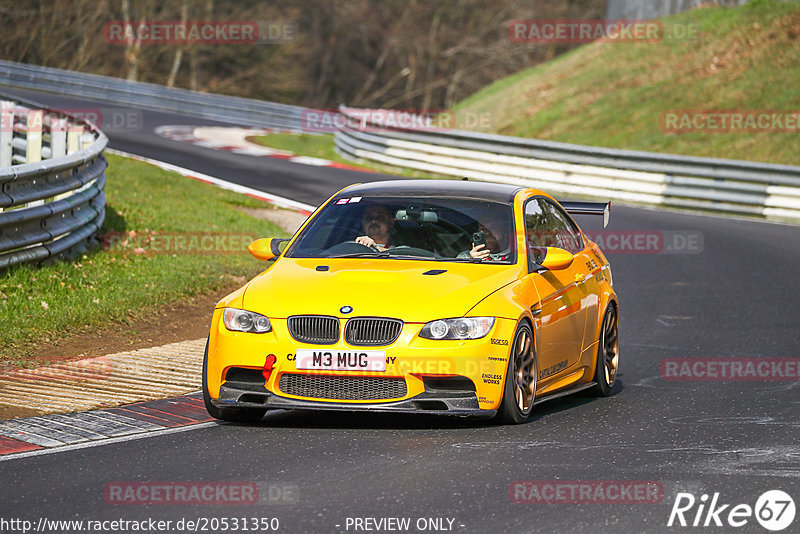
520	389
234	415
605	373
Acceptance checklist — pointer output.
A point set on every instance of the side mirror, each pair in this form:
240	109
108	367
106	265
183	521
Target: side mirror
267	248
555	259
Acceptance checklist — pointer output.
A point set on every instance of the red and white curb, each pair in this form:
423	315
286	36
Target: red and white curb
281	202
31	436
122	392
234	139
106	381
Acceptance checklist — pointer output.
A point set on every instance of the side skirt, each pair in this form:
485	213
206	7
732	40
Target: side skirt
564	393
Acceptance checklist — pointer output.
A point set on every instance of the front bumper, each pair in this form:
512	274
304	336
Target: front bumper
410	358
437	403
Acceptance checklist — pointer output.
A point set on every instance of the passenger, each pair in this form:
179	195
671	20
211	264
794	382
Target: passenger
497	248
377	222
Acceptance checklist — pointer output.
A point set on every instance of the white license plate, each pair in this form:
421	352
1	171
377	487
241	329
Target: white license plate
341	360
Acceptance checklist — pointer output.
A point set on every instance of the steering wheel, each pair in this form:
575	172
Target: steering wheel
371	247
348	246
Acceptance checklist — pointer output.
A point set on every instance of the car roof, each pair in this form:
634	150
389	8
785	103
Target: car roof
440	188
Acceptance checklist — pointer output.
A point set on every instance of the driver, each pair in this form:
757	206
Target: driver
377	222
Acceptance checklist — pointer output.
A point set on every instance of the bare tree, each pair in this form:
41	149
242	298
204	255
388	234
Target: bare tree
133	42
378	53
176	60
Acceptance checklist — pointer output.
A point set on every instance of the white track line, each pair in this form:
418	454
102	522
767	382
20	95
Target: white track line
269	197
91	444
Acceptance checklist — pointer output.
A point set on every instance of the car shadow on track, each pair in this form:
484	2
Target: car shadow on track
329	419
570	402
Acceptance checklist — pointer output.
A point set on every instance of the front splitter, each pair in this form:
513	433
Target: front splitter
457	404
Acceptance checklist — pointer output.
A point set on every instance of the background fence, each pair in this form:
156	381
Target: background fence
720	185
52	179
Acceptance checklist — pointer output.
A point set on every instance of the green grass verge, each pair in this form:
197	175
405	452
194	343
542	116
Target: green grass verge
616	94
107	288
322	146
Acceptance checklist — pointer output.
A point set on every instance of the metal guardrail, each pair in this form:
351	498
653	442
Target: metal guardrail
242	111
721	185
52	179
731	186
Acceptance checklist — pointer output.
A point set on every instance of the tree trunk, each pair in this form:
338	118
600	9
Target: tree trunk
176	60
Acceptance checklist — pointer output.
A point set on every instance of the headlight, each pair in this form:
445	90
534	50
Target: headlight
460	328
245	321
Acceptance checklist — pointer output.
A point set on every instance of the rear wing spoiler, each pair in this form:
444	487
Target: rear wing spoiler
588	208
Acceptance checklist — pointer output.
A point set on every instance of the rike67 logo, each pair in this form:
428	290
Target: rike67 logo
774	510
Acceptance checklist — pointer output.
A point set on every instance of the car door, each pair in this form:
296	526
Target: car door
560	314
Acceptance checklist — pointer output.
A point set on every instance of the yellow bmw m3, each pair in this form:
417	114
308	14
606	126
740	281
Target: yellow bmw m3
429	296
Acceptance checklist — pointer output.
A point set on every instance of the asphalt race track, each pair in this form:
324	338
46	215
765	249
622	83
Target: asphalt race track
303	183
734	295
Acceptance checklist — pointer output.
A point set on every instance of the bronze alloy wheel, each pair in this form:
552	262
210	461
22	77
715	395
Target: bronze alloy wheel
520	388
610	346
607	353
524	379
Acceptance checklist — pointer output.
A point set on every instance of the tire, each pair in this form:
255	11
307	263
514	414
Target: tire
605	373
519	391
234	415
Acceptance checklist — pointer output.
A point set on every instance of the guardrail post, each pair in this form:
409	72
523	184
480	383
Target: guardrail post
33	153
73	134
6	132
58	138
86	140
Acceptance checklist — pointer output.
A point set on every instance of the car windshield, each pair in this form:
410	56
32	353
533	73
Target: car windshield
403	228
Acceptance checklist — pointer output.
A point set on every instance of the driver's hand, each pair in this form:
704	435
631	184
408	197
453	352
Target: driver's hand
479	252
366	240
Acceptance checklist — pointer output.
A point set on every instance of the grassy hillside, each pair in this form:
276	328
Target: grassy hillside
616	94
